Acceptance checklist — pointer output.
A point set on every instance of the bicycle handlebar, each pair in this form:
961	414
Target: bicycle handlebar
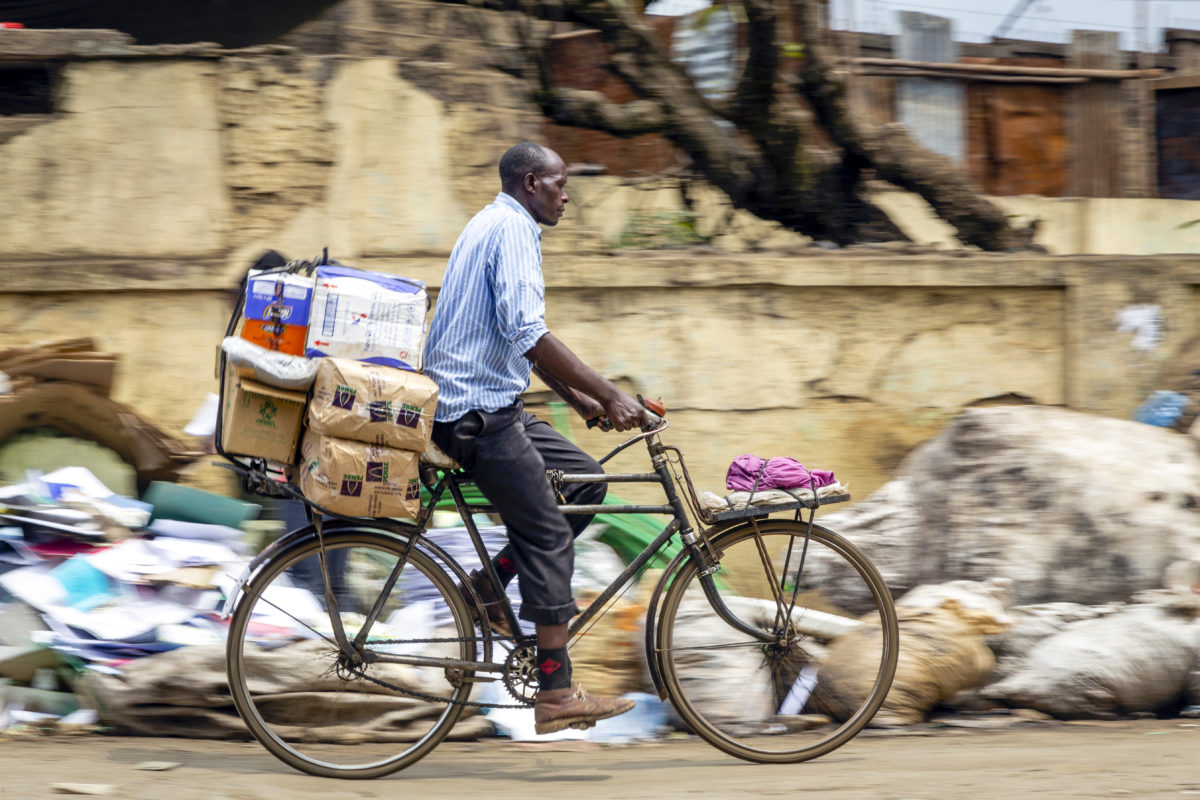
656	413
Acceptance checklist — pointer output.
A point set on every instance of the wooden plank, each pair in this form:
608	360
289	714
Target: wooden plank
1176	82
1012	69
1093	118
933	110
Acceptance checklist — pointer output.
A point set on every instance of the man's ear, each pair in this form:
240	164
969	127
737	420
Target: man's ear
529	183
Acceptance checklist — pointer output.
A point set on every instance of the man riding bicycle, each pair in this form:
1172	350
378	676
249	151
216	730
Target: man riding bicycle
488	334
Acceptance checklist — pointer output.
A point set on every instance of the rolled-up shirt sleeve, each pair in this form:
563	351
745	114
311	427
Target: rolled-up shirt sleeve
518	287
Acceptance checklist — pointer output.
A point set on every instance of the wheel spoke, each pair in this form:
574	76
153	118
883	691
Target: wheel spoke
794	699
304	700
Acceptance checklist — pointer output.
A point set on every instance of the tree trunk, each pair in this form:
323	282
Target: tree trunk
757	146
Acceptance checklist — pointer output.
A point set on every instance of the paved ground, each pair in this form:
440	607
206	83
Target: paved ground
1139	759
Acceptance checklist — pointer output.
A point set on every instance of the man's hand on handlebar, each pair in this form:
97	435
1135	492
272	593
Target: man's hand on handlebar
642	414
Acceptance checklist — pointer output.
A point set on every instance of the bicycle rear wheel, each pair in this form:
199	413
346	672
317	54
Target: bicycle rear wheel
308	704
778	700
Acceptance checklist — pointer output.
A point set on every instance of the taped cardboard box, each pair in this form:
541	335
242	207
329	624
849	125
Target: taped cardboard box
84	411
278	297
367	316
276	311
260	420
372	403
357	479
277	336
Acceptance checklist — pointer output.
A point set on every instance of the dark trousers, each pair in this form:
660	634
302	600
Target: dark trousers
307	573
507	453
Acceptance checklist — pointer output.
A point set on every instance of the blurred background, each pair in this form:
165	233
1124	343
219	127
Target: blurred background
951	255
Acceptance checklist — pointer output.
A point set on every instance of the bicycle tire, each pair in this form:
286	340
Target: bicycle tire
283	664
771	702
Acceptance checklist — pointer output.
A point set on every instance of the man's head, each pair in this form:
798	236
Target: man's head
535	177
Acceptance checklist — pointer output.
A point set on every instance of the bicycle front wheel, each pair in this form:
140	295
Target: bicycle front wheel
778	697
318	710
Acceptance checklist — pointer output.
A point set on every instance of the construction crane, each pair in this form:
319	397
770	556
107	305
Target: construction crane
1018	10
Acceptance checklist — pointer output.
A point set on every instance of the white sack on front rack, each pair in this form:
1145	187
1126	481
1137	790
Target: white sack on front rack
269	367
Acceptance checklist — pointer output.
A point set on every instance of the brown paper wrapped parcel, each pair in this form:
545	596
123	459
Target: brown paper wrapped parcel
372	403
357	479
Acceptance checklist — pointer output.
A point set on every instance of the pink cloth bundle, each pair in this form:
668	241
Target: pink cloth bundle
750	473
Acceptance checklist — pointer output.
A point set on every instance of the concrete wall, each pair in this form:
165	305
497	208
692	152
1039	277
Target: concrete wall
128	214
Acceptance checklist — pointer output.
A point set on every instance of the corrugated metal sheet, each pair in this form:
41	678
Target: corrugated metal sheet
704	43
1178	135
934	110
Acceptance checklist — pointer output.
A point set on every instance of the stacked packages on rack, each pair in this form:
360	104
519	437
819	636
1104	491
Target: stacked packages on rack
329	365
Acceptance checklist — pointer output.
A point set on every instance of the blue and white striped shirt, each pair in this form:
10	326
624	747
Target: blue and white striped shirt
490	311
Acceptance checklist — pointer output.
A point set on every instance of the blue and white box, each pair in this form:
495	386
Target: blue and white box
367	316
279	297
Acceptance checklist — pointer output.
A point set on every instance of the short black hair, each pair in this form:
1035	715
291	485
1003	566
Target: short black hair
520	160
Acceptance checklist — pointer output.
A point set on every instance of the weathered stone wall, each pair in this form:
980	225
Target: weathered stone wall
128	213
843	361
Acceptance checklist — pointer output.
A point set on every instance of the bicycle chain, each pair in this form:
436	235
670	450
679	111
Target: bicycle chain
433	698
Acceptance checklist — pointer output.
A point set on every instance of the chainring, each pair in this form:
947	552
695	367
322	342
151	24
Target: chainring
520	673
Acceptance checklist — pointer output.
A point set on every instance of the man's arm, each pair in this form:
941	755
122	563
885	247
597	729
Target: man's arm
577	383
584	405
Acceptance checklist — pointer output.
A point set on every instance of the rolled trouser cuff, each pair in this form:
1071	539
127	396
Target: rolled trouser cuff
548	615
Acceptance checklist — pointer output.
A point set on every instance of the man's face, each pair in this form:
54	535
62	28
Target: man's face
548	192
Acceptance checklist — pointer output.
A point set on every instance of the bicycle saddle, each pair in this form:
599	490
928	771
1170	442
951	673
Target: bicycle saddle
434	456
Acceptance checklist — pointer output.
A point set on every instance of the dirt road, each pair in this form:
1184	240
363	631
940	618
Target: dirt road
1139	759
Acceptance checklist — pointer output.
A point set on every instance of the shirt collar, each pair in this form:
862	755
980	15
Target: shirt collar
505	199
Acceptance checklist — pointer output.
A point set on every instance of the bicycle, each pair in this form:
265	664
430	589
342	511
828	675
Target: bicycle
400	634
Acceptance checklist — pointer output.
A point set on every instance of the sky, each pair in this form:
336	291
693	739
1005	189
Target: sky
1043	20
977	20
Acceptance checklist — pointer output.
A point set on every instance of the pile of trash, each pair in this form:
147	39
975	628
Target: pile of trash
100	594
92	580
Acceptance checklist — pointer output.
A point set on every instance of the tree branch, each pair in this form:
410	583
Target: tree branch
756	88
891	150
588	109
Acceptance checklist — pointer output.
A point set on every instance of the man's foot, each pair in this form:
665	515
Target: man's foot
572	707
491	604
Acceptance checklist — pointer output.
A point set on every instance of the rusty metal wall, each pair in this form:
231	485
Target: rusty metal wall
1178	135
1017	134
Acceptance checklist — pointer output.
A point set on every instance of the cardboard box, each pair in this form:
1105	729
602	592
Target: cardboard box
357	479
372	403
278	297
367	316
276	336
260	420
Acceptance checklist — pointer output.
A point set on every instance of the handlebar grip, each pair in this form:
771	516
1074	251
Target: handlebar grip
603	423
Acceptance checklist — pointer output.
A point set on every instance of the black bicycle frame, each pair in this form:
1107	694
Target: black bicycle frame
674	507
